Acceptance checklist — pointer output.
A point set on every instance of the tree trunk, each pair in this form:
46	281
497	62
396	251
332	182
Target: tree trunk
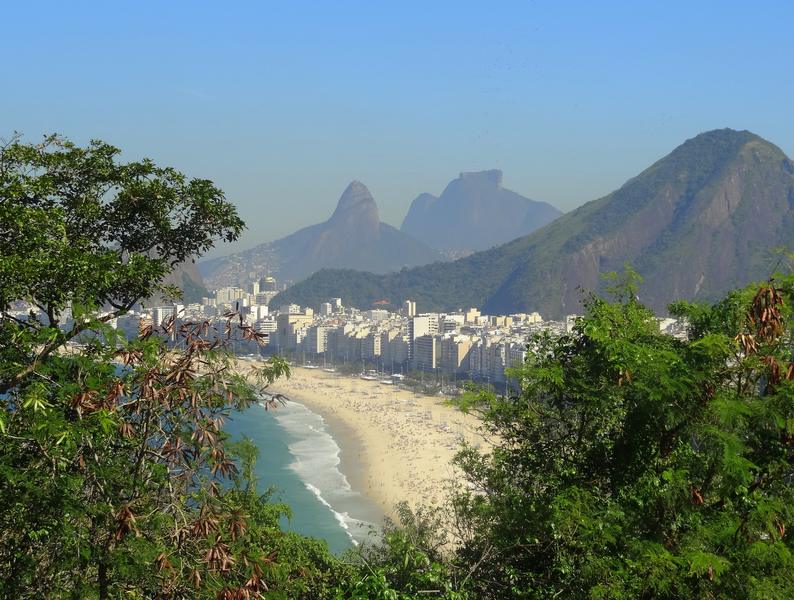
103	580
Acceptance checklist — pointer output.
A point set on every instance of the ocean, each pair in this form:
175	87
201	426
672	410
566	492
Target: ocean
301	460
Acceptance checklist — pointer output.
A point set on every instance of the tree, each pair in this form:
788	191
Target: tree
409	561
636	465
80	230
116	478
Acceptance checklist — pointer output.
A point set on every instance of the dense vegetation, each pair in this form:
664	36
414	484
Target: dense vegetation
718	204
636	465
630	465
116	479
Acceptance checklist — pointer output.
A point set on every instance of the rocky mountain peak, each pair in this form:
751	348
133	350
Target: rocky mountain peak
723	136
717	147
491	177
702	220
353	237
477	213
356	202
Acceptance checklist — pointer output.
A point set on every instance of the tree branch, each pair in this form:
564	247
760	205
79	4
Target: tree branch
62	340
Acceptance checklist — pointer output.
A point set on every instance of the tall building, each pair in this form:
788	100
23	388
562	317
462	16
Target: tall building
268	327
257	311
371	348
409	308
501	321
425	356
420	325
264	297
288	326
289	309
471	315
326	310
316	340
394	348
454	354
268	284
228	295
451	323
376	314
160	314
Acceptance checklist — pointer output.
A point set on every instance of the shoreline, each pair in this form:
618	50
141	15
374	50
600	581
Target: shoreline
394	445
350	448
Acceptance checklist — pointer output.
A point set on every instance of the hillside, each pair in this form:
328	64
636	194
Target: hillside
702	220
475	212
187	278
352	237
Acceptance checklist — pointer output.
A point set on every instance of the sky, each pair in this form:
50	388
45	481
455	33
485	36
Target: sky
283	104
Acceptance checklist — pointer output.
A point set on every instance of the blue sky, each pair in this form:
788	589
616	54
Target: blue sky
282	104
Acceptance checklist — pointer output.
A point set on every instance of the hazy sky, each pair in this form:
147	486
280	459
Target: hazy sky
282	104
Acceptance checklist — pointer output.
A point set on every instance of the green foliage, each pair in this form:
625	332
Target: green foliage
409	562
116	478
631	464
113	230
637	465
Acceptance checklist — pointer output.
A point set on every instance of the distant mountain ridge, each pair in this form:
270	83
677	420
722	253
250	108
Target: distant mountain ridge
702	220
352	237
474	212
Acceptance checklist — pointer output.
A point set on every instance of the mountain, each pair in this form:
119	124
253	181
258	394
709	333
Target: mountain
700	221
353	237
186	277
474	212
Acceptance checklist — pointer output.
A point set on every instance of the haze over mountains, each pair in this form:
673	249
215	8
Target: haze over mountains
701	220
353	237
474	212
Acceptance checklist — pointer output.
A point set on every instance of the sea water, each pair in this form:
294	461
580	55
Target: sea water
300	460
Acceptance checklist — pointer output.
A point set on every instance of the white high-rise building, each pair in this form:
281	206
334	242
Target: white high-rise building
228	295
316	340
160	314
420	325
289	309
376	314
452	323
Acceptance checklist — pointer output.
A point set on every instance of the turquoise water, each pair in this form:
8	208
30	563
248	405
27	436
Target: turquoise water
299	458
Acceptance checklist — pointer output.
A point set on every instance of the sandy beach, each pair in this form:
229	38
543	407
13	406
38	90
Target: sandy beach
396	445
